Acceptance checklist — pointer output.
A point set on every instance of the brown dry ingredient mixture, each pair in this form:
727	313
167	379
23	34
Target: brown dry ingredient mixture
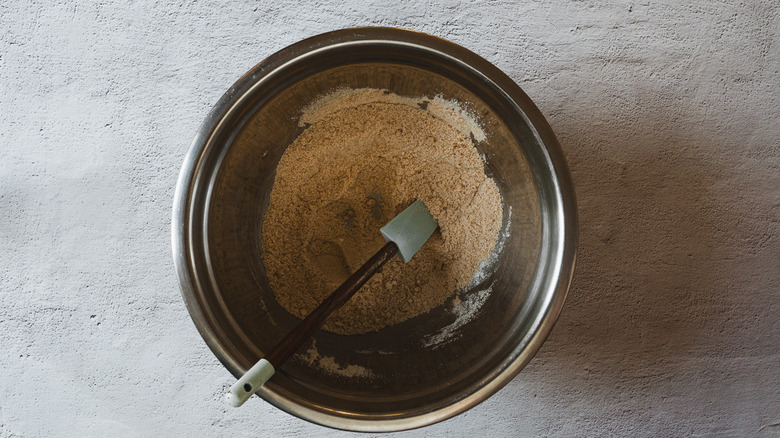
366	156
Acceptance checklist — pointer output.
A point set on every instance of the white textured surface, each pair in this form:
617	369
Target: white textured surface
668	112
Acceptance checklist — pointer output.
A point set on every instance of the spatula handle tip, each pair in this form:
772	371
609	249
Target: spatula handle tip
249	383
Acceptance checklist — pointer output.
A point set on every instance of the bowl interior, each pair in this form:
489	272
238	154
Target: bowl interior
406	368
428	363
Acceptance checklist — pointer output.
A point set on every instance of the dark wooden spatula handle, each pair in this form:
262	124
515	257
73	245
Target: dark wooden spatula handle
303	331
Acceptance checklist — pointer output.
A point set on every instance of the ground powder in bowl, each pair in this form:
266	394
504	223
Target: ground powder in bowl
364	157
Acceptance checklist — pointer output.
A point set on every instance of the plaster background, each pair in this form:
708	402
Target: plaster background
668	113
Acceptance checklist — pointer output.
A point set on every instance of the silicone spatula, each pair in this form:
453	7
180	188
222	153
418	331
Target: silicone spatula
405	235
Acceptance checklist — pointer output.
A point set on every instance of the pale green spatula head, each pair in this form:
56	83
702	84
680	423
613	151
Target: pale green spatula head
410	229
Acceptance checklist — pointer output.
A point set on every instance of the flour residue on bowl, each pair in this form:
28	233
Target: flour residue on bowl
328	364
466	309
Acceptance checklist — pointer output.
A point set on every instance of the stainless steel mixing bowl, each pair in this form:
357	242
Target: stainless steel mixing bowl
223	192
